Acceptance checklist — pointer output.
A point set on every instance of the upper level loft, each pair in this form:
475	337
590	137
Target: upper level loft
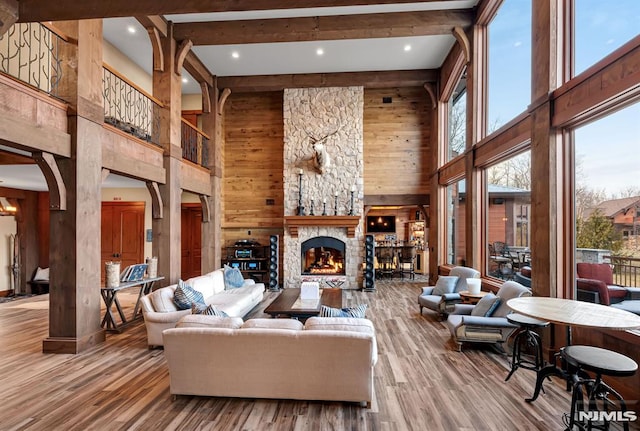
31	54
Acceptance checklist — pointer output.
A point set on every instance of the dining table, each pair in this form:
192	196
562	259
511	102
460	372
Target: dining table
570	313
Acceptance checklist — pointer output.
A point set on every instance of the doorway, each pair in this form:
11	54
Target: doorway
122	234
191	241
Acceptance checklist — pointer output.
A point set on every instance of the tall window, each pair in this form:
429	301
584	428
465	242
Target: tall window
607	193
458	120
455	224
601	27
508	229
509	71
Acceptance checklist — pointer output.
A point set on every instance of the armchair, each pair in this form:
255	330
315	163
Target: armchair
442	304
595	284
465	327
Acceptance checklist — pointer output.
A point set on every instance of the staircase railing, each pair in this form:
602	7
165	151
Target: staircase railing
30	52
195	144
130	108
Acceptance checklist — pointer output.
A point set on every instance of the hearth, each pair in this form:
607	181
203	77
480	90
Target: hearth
323	255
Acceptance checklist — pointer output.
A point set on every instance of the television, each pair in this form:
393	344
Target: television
380	224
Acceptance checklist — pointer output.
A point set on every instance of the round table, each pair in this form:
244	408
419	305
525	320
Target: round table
471	298
571	313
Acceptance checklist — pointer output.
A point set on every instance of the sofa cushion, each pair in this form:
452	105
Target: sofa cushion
486	306
351	324
232	278
445	284
206	321
42	274
291	324
357	311
203	284
186	295
237	302
207	310
162	299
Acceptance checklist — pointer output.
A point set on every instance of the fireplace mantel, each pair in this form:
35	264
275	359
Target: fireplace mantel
348	222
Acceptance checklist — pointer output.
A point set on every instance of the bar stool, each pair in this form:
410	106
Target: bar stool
526	337
602	362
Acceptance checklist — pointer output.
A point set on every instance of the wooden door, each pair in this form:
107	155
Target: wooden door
122	233
191	222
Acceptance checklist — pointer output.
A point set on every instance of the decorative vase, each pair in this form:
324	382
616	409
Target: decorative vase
152	267
112	274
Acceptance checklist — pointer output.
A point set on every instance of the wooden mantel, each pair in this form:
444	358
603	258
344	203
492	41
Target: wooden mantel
349	222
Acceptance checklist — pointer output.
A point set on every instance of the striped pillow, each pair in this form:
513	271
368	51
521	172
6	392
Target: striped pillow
357	311
210	310
186	295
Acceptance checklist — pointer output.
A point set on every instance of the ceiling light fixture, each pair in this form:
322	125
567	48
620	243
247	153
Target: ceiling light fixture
319	51
407	47
131	29
185	80
235	54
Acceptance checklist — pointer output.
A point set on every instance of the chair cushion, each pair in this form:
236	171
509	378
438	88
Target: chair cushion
186	295
42	274
509	290
445	284
526	271
357	311
596	271
463	272
432	302
232	277
632	306
486	306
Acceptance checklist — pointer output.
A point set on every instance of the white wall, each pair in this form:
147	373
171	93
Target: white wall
8	227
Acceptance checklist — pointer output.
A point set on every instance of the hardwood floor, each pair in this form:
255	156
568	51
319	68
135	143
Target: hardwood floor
421	382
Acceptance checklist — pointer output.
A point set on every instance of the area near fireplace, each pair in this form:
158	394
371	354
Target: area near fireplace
327	246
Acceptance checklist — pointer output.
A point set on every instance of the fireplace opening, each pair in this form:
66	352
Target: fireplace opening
323	255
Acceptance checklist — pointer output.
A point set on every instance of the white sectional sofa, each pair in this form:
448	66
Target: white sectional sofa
160	312
330	358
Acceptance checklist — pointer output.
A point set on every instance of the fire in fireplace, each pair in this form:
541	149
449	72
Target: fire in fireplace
323	255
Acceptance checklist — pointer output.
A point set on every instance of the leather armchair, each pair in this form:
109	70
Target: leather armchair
478	329
443	304
595	284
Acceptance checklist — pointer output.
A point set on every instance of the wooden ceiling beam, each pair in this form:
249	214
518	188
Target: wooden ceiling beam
154	21
197	69
339	27
383	79
46	10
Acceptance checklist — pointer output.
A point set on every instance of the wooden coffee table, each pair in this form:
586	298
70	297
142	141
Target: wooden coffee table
282	305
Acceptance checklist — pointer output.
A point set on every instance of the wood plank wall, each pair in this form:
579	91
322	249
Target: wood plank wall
396	141
396	154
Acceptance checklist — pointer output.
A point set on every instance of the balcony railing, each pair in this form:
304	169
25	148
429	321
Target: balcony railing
129	108
195	144
30	52
626	270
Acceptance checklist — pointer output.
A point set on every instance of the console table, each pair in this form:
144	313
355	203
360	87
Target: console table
110	297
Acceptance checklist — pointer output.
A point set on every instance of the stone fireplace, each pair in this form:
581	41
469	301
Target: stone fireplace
325	243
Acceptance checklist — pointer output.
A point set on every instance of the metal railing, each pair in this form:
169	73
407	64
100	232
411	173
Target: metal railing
626	270
195	144
129	108
30	52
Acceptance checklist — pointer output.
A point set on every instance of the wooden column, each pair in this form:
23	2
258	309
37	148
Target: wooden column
212	231
167	230
546	195
74	257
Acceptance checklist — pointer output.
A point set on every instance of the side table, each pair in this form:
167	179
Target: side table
471	298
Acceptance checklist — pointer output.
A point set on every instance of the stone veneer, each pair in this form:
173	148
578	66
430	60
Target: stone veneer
319	112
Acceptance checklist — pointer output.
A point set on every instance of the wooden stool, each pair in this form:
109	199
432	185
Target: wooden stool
602	362
526	337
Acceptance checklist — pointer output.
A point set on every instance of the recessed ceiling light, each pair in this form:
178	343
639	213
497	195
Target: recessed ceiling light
319	51
407	47
184	80
235	54
131	29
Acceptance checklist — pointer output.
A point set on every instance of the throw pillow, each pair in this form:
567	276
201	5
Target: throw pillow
186	295
357	311
42	274
209	310
232	278
486	306
445	284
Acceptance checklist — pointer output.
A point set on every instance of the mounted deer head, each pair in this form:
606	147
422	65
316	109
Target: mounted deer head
321	160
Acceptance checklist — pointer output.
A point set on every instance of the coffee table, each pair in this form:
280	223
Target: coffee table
282	305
